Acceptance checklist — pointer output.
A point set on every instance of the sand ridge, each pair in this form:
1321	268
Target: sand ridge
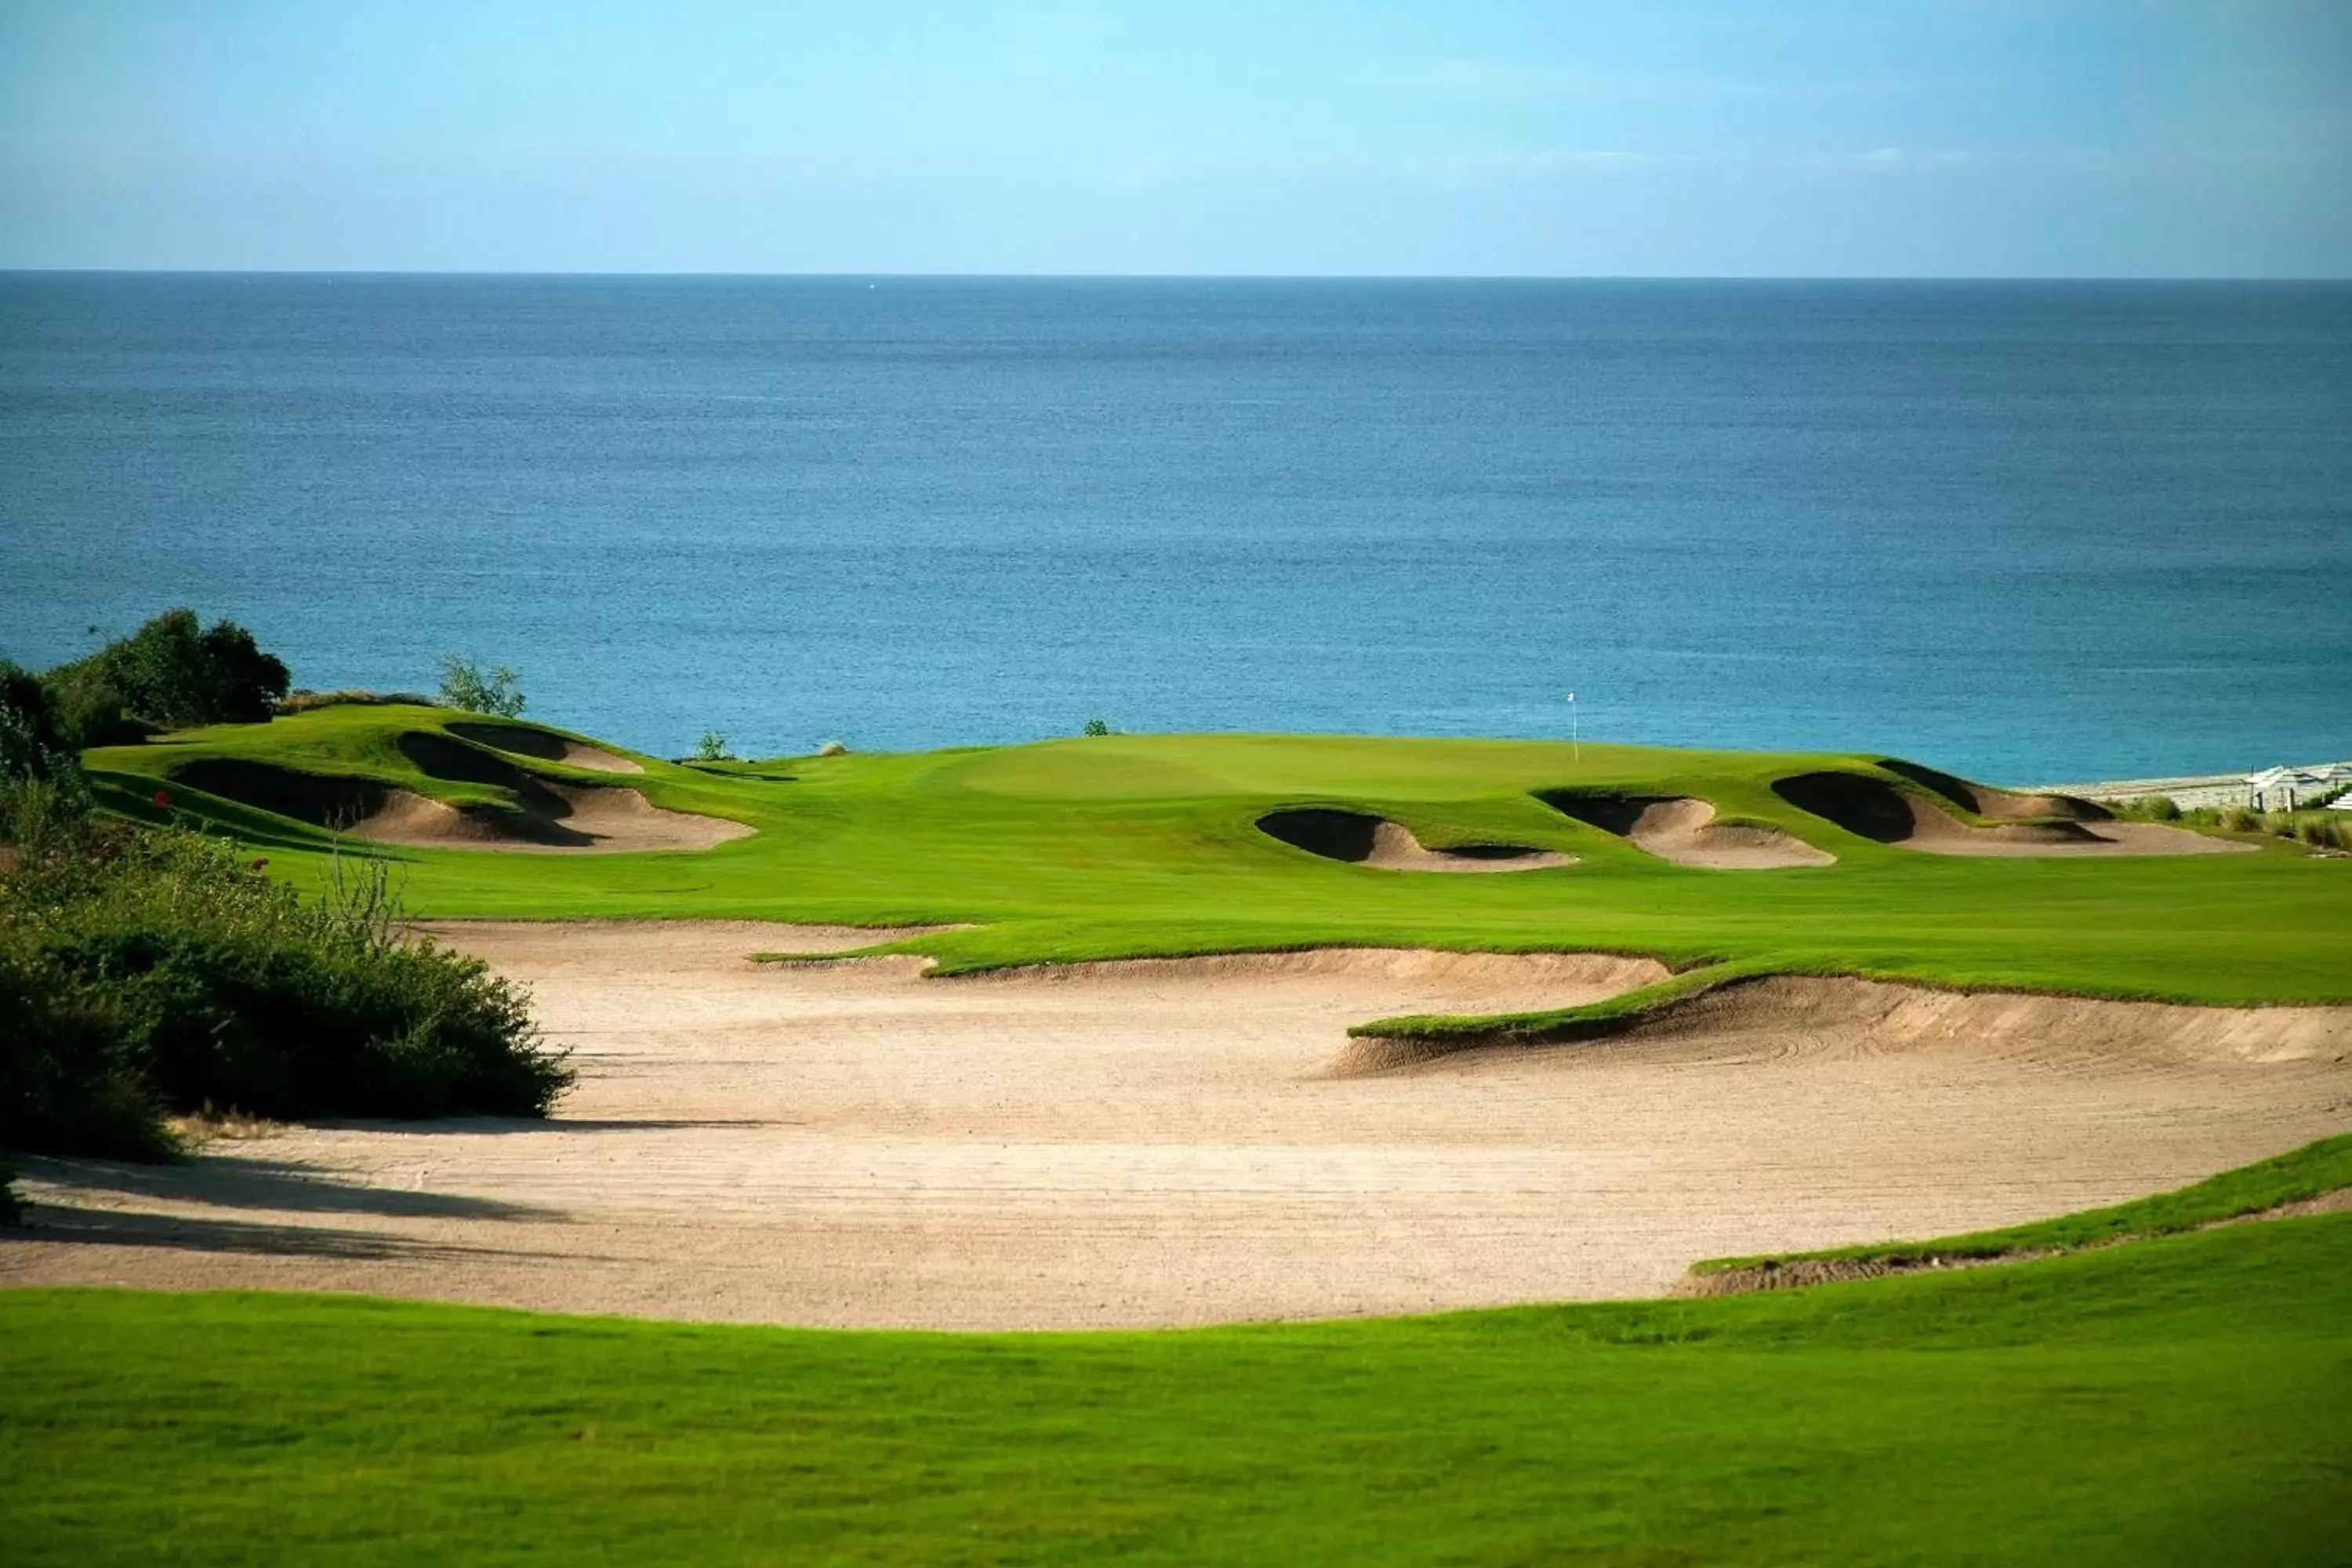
1908	819
549	814
1163	1141
586	819
1362	839
1684	830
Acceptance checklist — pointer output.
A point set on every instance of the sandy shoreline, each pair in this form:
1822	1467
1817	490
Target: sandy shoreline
1163	1141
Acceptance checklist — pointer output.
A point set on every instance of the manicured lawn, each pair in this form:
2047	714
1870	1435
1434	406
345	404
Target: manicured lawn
2180	1398
2187	1400
1131	845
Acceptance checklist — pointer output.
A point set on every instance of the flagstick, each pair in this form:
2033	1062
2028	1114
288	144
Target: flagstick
1575	739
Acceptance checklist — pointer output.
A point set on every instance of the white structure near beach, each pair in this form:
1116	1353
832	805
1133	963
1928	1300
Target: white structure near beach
2284	789
2272	789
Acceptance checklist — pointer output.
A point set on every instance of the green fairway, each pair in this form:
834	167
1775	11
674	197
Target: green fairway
2187	1400
1136	845
2183	1397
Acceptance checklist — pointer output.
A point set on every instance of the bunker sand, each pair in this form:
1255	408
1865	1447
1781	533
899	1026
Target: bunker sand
1166	1142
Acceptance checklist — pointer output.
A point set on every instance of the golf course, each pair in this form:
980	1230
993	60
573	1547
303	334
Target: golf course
1231	1147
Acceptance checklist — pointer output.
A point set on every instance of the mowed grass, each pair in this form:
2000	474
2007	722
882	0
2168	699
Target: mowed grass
2183	1398
1142	845
2187	1400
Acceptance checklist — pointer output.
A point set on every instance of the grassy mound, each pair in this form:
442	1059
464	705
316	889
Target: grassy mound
2311	1171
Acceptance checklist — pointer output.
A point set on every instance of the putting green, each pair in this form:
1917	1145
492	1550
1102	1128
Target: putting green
1137	845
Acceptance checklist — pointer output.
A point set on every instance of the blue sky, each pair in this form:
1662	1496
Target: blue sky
1938	137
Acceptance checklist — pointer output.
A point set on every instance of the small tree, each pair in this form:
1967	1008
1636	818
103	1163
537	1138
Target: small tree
465	687
171	673
711	748
1097	727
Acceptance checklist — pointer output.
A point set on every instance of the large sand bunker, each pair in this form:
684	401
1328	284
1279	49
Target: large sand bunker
1872	808
1683	830
1164	1142
528	741
551	815
1363	840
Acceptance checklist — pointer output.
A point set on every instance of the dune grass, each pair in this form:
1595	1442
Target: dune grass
2179	1400
1139	844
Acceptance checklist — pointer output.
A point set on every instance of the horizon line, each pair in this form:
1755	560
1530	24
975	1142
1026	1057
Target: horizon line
1140	277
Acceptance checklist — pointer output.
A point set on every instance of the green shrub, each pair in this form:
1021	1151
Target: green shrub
711	747
2320	834
70	1078
171	673
833	749
1097	727
465	686
153	971
2240	819
2158	808
41	783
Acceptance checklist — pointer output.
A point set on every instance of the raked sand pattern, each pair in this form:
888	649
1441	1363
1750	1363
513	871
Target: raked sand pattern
1168	1141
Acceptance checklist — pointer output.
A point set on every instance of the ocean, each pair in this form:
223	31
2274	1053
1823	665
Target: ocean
2023	531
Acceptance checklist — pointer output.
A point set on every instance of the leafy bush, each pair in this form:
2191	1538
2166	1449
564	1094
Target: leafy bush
40	781
171	673
146	971
1097	727
711	748
2240	819
833	749
465	686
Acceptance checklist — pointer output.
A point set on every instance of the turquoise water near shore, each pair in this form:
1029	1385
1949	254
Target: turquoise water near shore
2025	530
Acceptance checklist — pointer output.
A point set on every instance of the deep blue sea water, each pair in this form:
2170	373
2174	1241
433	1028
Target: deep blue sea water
2023	531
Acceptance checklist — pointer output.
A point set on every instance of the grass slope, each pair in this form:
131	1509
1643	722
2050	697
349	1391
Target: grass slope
2181	1400
2310	1171
1143	845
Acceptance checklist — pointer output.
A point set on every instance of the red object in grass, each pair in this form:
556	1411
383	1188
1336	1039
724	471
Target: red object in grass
163	799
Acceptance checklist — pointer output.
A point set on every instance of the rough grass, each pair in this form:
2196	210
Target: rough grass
2178	1400
1146	845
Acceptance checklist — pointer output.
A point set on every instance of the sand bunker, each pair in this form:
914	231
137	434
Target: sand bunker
564	818
1874	809
1164	1142
1683	830
1364	840
551	817
527	741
